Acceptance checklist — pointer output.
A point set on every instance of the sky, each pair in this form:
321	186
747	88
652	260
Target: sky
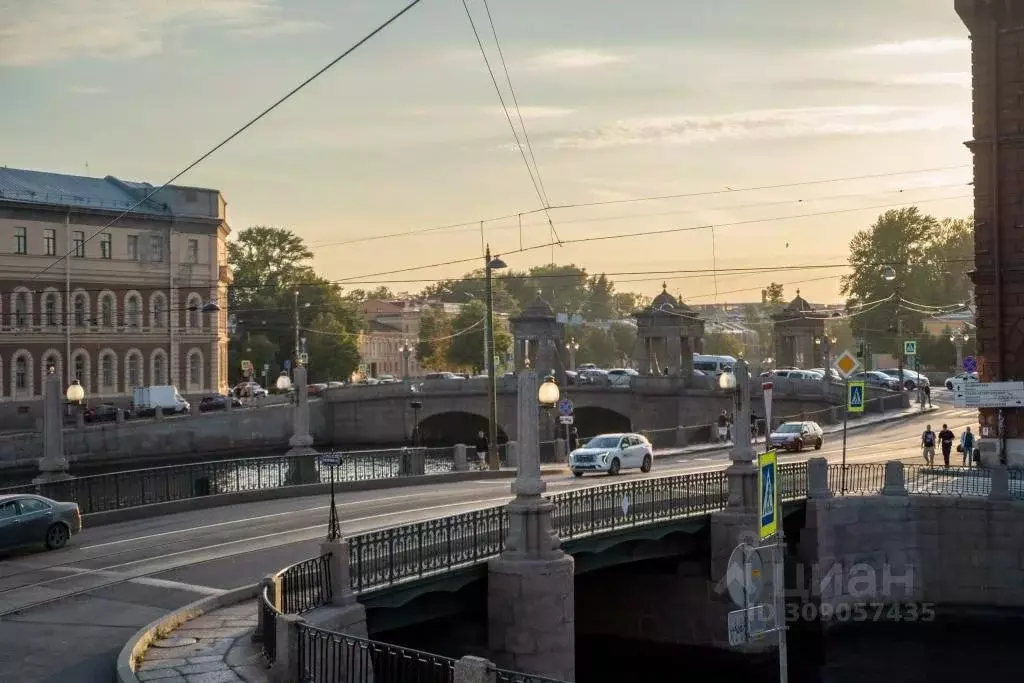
620	100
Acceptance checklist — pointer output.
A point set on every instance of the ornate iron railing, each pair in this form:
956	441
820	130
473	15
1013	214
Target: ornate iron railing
306	585
268	626
133	488
328	657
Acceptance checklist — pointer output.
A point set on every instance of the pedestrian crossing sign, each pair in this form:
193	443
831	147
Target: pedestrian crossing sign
767	470
855	398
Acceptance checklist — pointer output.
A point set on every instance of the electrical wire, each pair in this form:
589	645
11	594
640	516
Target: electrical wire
535	179
459	333
394	17
474	225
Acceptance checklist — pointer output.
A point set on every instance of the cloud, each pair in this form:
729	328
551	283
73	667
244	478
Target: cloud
58	30
957	78
574	59
960	79
922	46
766	124
532	112
87	90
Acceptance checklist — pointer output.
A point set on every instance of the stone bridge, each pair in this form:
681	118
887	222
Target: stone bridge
671	410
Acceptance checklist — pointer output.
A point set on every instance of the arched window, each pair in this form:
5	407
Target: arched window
80	310
22	373
108	310
158	308
159	373
50	309
50	359
107	377
21	309
132	311
195	370
80	368
194	308
132	370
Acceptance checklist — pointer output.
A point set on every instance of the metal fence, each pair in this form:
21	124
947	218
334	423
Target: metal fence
505	676
306	585
328	657
132	488
268	626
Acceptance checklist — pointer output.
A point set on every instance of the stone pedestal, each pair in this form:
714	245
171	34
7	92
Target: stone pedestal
53	466
895	484
474	670
459	452
301	442
530	588
531	616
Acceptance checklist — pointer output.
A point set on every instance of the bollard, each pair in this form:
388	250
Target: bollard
459	454
512	454
159	412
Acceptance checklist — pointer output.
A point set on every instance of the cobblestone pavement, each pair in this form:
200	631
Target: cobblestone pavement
214	648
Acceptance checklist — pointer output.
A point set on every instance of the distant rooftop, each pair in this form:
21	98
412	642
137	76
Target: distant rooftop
57	189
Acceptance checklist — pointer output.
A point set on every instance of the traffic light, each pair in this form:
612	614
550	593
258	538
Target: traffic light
860	350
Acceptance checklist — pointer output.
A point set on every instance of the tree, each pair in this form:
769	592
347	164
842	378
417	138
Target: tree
333	348
563	287
432	348
597	346
466	347
625	339
774	294
901	239
723	344
264	259
626	303
600	304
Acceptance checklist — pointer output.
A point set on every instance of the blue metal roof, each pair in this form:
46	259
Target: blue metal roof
37	187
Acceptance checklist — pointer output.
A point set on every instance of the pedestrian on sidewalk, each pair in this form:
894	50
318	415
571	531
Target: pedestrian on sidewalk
723	426
753	427
967	447
928	395
481	450
946	438
928	445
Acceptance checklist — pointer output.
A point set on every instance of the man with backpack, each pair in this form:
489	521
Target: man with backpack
946	438
928	445
967	447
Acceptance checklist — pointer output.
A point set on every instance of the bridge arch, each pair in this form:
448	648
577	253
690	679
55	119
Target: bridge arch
455	426
593	420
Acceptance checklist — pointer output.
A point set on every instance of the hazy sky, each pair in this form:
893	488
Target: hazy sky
620	99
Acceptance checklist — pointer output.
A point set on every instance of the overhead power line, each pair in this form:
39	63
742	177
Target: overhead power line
601	219
213	150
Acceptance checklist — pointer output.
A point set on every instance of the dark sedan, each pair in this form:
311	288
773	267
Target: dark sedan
30	520
104	412
218	402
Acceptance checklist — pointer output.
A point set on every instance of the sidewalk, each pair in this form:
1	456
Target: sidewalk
212	648
882	418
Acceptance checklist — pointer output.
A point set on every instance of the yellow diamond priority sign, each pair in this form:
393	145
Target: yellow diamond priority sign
846	364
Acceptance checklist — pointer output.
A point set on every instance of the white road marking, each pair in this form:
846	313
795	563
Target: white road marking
145	581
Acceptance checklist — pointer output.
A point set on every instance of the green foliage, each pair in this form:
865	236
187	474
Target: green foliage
466	347
600	303
432	348
774	294
723	344
919	248
269	265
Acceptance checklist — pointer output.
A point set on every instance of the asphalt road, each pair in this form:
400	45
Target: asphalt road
64	615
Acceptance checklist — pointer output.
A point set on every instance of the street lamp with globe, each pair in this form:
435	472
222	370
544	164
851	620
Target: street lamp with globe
75	393
889	275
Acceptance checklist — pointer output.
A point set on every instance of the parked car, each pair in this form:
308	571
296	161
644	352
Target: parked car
874	378
317	389
621	377
911	379
795	436
218	402
104	412
611	453
145	400
253	389
961	377
592	375
30	520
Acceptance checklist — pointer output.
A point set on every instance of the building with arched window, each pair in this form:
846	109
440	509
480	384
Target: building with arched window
115	313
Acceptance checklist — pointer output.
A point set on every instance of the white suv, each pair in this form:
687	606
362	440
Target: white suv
612	453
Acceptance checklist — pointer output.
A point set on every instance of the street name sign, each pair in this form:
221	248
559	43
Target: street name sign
768	511
566	419
910	348
988	394
855	397
846	364
332	459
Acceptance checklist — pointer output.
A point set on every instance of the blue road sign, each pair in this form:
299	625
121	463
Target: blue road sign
970	364
855	400
766	479
565	407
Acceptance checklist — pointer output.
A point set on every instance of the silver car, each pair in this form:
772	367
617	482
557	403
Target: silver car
30	520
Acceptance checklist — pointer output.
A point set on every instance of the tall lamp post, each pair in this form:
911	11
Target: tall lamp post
889	275
958	338
572	346
741	474
490	265
416	405
826	341
406	349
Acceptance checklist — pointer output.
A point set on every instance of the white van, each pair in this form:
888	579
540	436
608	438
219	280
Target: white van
713	365
145	400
